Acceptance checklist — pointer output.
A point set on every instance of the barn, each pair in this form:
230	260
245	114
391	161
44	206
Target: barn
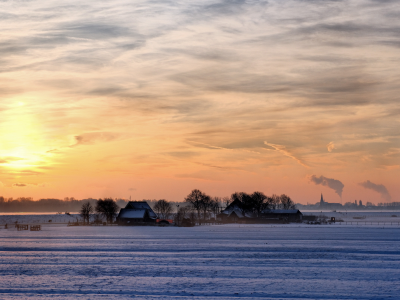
135	213
233	213
288	215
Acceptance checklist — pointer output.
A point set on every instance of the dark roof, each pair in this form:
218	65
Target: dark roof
236	204
281	211
132	214
140	205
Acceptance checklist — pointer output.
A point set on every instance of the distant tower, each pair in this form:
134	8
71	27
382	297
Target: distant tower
322	199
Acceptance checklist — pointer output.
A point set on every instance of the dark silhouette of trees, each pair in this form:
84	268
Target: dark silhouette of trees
258	202
208	205
286	202
226	201
186	216
202	203
273	202
255	203
245	202
196	199
163	209
215	207
108	208
86	211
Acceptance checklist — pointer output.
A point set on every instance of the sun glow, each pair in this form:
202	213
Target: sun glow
22	142
21	158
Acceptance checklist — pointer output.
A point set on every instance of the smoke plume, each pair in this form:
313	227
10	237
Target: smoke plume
334	184
379	188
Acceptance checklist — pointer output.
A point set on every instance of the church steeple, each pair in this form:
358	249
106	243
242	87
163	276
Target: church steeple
322	199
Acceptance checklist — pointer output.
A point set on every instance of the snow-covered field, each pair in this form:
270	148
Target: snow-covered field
44	218
295	261
359	216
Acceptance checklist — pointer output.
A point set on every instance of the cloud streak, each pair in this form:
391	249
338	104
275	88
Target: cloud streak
93	137
282	149
174	87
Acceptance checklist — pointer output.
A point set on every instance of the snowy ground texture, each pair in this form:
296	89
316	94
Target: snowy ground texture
216	262
346	216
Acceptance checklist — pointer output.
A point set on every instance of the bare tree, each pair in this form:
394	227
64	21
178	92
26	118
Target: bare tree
258	202
272	202
86	211
286	202
216	204
163	209
226	201
196	199
97	219
107	208
208	205
184	214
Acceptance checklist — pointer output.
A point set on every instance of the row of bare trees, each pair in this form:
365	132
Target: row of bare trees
202	203
257	202
253	203
105	208
200	206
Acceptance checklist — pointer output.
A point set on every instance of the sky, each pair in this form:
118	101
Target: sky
151	99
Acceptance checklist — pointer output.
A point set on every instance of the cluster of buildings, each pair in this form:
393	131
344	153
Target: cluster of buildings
356	205
326	205
234	213
140	213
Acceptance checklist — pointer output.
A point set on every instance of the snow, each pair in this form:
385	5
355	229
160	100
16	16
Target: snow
141	205
359	216
293	261
131	213
38	218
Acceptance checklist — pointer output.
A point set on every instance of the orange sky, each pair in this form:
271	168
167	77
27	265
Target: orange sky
153	99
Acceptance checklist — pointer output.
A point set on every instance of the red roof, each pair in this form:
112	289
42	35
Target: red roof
170	221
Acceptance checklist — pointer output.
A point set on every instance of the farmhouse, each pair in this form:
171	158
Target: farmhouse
136	212
233	213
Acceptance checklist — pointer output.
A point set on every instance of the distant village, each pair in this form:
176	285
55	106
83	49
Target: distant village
356	205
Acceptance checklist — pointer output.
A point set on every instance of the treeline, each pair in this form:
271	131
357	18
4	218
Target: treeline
196	202
27	204
200	206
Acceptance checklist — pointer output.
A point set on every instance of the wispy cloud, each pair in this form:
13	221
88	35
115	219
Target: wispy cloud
9	159
19	185
330	146
93	137
207	81
282	149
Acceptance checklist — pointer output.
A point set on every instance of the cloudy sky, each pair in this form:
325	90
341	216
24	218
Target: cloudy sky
152	99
